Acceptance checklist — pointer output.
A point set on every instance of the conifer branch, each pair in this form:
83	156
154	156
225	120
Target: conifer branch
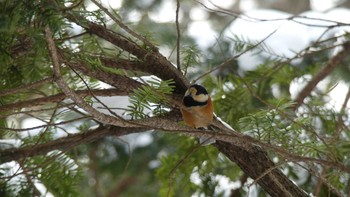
58	98
160	66
65	143
104	118
125	27
324	72
241	145
26	87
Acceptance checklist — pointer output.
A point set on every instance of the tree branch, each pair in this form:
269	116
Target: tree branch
178	35
125	27
104	118
160	65
26	87
327	69
65	143
124	84
254	162
60	97
168	122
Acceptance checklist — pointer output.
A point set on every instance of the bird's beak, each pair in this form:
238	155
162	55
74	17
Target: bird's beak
187	93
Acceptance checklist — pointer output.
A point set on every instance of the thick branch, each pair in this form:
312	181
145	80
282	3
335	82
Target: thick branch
125	64
122	83
254	162
324	72
65	143
245	151
168	122
161	67
125	84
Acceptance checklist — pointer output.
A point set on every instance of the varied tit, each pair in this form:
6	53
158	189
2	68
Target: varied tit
198	110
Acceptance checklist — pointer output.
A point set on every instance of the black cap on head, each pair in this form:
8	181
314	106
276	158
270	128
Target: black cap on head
200	89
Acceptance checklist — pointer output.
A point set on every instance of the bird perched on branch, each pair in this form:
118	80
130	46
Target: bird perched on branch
198	110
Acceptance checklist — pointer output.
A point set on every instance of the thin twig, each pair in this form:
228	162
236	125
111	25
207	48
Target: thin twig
291	18
35	110
45	125
93	95
178	164
314	170
74	5
26	87
59	97
178	35
125	27
234	57
340	122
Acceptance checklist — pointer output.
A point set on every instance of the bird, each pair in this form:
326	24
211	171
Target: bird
198	110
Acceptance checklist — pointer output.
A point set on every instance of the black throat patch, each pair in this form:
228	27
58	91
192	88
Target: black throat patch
189	102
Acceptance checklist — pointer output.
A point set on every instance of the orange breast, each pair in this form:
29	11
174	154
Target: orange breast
198	116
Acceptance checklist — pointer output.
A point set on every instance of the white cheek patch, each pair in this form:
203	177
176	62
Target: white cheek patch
201	98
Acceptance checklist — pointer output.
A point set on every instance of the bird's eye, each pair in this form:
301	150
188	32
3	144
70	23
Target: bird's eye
193	91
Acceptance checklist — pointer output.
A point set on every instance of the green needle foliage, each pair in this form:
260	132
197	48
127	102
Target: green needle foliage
151	97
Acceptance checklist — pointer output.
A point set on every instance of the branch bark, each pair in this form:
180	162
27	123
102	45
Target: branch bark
255	163
160	65
60	97
124	84
65	143
169	122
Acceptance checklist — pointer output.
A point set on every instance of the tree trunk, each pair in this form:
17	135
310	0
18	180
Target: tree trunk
255	163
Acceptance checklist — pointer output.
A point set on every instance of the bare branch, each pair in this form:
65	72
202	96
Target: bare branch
234	57
45	125
254	162
231	142
59	97
125	27
331	23
65	143
325	71
178	35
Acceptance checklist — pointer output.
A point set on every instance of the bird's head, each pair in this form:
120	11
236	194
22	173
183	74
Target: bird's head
196	95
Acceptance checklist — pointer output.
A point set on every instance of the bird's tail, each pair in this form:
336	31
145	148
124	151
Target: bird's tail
204	141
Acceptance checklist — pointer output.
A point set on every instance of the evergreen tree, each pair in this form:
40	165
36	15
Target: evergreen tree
89	106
